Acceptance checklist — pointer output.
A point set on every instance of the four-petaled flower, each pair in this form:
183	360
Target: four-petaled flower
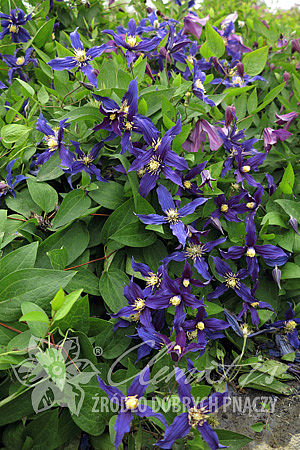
11	24
7	187
289	327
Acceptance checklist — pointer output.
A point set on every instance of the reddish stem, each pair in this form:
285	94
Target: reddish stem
93	260
14	218
10	328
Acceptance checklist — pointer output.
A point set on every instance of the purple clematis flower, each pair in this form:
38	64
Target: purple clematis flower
251	250
247	165
196	250
186	278
11	24
229	209
172	215
252	308
80	162
189	185
138	309
231	280
174	294
7	187
53	139
129	404
252	201
2	85
16	63
203	328
157	159
198	87
286	119
153	280
242	330
132	42
80	60
289	327
271	137
179	348
196	417
198	136
192	24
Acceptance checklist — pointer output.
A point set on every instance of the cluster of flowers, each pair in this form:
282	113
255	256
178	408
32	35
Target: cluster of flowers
154	158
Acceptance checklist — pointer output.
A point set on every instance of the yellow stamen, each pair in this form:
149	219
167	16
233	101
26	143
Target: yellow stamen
187	184
154	166
112	117
152	280
192	334
200	326
139	304
224	208
251	252
194	251
178	349
250	205
246	169
186	282
238	81
135	317
176	300
190	59
197	416
13	28
290	325
129	125
172	215
52	143
80	55
20	60
199	85
131	41
255	304
131	402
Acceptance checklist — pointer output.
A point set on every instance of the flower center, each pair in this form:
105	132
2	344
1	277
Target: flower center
128	125
172	215
192	334
112	117
199	85
224	208
178	349
251	252
246	169
254	304
232	281
250	205
190	59
245	329
154	166
186	282
131	402
156	24
197	416
20	60
135	317
13	28
175	301
139	304
131	41
80	55
187	184
152	280
86	160
156	144
232	72
141	172
237	80
200	326
52	143
124	107
194	251
290	325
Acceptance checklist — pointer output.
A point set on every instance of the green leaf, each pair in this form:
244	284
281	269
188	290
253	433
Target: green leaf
43	35
74	205
139	69
52	361
109	195
265	382
83	113
27	284
13	132
252	101
123	215
34	316
270	97
290	271
58	258
111	288
214	41
69	301
58	300
22	258
234	440
77	318
28	89
291	207
287	183
43	195
254	62
43	96
134	235
50	170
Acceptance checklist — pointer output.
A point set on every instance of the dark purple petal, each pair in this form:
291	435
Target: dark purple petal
217	292
122	426
75	40
270	251
184	389
221	267
177	430
67	63
113	393
234	252
179	230
189	208
165	198
146	411
151	219
210	436
140	383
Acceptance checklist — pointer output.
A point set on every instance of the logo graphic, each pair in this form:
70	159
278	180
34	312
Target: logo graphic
55	372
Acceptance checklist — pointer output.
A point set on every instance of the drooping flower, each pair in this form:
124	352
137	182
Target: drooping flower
286	119
129	404
158	158
248	165
179	348
289	327
172	215
251	249
195	417
203	328
196	250
231	280
80	162
192	24
175	294
198	136
198	86
252	308
7	187
132	42
271	185
271	137
53	138
11	24
80	60
229	209
16	63
189	185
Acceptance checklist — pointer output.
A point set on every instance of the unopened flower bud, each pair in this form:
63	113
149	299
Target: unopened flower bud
88	86
272	67
294	224
229	115
96	72
240	69
295	46
276	273
286	77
